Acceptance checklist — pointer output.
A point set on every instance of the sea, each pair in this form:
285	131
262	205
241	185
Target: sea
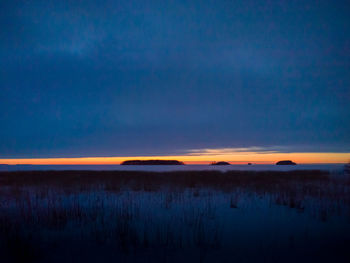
168	168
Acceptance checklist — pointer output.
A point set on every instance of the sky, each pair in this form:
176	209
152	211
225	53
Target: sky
174	78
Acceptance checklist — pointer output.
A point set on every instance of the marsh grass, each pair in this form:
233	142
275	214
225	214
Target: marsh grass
136	215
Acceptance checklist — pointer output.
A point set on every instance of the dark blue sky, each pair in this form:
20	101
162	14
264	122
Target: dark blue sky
121	78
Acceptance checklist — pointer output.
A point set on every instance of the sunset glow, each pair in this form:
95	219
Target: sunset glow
236	158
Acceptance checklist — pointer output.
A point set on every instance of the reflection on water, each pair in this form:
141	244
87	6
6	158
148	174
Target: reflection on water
304	221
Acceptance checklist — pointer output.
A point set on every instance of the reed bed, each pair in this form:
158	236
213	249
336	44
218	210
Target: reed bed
55	216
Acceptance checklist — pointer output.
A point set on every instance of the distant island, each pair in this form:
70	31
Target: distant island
285	162
220	163
152	162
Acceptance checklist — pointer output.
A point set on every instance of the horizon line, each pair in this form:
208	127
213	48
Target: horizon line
235	158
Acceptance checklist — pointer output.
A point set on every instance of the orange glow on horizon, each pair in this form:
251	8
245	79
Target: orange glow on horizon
234	158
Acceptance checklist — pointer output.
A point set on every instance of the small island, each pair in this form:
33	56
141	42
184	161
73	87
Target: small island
285	162
152	162
220	163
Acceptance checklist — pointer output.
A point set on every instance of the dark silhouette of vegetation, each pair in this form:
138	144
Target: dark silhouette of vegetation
133	216
265	180
220	163
285	162
347	169
152	162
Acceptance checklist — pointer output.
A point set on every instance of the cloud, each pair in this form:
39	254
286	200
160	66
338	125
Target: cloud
240	150
146	77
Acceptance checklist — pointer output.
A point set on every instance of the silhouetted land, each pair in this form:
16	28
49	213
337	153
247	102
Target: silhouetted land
262	179
152	162
285	162
220	163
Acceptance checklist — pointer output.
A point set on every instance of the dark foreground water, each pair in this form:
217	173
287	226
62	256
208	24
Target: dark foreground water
190	217
167	168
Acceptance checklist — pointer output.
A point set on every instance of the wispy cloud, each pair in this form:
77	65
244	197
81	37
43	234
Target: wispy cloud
241	150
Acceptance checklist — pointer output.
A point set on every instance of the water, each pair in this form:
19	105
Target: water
299	220
163	168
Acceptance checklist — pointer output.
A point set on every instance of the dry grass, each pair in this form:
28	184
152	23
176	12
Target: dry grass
40	211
